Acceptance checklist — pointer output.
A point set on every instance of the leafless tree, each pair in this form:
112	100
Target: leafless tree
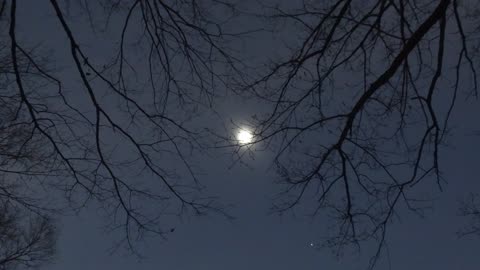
27	234
125	134
361	98
27	241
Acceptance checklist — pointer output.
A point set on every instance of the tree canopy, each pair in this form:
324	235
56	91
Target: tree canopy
356	107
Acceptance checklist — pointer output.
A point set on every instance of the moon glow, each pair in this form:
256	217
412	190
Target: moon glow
244	136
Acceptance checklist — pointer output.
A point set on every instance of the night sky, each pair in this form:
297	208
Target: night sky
257	241
256	237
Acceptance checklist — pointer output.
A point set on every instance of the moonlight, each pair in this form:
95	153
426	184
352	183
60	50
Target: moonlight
244	136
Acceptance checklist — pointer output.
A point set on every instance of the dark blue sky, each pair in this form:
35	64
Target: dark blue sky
256	240
259	240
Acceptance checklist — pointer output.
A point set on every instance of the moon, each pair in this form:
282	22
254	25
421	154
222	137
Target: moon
244	136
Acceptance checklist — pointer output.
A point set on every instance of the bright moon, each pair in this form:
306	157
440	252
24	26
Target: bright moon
244	136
